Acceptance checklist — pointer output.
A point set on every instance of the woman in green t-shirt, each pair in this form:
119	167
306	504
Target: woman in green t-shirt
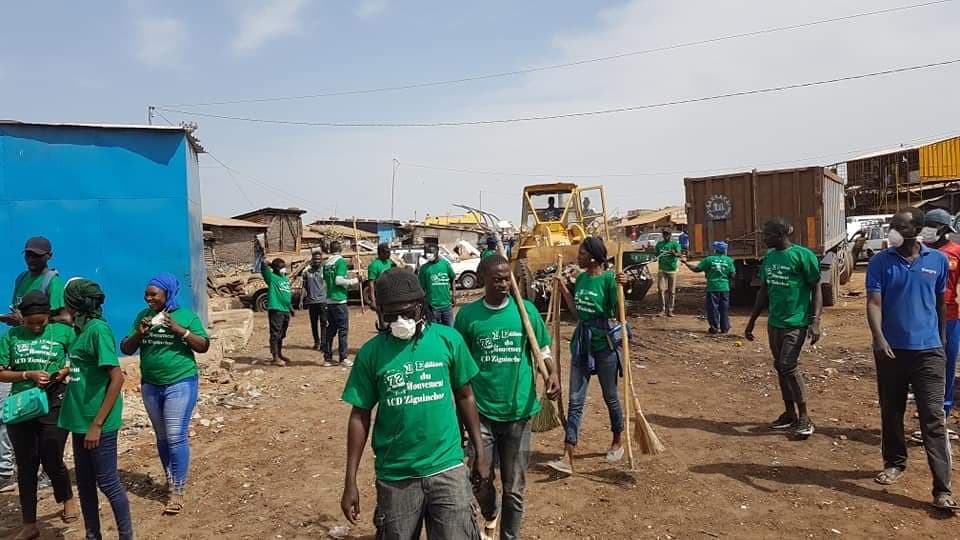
594	300
34	355
167	336
93	408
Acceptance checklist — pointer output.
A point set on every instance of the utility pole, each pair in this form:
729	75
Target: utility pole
150	115
393	189
481	201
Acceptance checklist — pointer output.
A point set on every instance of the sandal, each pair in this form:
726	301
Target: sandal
174	506
889	477
945	501
69	517
561	467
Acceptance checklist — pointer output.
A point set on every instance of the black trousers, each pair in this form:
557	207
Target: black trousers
279	322
338	324
924	371
36	444
318	322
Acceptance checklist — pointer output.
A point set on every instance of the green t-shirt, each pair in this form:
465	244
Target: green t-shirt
595	298
416	433
505	388
667	261
718	269
435	278
376	268
94	349
22	350
164	357
790	276
279	295
332	269
488	252
31	282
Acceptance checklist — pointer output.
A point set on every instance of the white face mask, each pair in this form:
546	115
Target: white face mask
895	239
283	271
403	328
929	235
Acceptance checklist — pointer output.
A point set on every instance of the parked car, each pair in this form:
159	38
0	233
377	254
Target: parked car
466	270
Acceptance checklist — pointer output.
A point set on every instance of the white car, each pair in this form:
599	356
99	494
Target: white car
466	270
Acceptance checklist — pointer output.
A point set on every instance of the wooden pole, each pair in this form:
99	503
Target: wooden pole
627	381
555	312
356	244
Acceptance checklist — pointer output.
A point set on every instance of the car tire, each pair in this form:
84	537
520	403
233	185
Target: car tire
469	280
260	301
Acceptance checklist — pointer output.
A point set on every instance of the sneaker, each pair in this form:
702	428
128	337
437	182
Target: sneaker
712	331
328	363
804	428
44	482
346	362
8	483
785	421
916	437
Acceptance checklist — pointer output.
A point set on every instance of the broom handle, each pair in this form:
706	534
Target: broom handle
627	381
527	327
356	243
555	298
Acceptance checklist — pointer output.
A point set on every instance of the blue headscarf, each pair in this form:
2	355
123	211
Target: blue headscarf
170	285
720	246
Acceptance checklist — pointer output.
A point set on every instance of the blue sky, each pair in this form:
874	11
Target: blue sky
107	61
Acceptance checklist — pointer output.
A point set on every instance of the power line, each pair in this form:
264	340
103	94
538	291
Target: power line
570	64
290	197
600	112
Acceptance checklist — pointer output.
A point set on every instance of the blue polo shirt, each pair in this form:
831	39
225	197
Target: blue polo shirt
909	296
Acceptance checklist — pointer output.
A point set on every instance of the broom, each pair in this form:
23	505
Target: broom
356	243
646	438
551	414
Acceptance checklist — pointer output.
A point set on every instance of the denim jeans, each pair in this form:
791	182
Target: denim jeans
37	444
8	465
607	371
785	345
443	316
444	501
338	324
98	468
952	350
509	444
718	311
170	407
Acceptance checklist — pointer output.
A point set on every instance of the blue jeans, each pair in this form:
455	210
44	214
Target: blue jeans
607	371
443	316
718	311
338	324
98	468
8	465
170	407
952	350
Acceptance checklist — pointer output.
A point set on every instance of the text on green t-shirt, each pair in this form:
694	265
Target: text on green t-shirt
595	297
505	389
790	276
164	357
93	350
416	432
22	350
718	269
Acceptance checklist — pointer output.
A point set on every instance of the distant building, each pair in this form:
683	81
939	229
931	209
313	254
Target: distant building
445	235
470	218
230	241
386	230
671	217
284	228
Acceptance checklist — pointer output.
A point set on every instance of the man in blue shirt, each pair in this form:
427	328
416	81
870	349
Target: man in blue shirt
907	317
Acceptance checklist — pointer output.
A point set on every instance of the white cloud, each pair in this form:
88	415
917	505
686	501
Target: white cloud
267	21
371	8
161	41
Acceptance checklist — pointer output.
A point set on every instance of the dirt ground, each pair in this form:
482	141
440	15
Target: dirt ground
276	471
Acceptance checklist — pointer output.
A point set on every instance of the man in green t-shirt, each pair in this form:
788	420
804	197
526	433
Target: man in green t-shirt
790	290
417	375
439	282
338	315
279	310
668	261
491	248
719	271
38	277
505	389
375	269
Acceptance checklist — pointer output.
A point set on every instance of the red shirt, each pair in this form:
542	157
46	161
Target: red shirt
952	251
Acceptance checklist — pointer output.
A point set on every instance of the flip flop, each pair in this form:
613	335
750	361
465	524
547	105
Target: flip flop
889	477
561	467
615	456
946	502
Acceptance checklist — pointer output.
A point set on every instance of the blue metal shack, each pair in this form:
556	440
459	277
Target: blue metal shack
119	203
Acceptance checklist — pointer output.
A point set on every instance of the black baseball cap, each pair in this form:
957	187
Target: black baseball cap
38	245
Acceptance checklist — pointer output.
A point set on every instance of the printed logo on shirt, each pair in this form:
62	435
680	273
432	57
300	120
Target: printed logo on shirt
500	347
38	351
587	301
415	384
284	286
438	280
778	275
929	271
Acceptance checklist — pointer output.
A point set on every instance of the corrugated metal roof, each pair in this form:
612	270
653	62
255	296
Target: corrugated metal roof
677	214
217	221
339	230
194	141
270	210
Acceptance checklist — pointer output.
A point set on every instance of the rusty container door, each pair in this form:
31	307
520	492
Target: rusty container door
721	208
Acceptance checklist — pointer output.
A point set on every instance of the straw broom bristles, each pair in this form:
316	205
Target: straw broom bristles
551	414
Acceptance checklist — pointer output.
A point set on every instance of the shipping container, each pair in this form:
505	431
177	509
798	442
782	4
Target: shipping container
734	207
940	161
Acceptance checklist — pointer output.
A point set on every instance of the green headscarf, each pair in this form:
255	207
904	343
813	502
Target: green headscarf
85	298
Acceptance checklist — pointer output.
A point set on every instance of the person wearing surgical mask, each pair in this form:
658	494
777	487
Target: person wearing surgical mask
907	315
279	308
937	227
439	283
417	375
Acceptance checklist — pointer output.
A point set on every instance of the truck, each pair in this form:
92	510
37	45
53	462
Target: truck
734	207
